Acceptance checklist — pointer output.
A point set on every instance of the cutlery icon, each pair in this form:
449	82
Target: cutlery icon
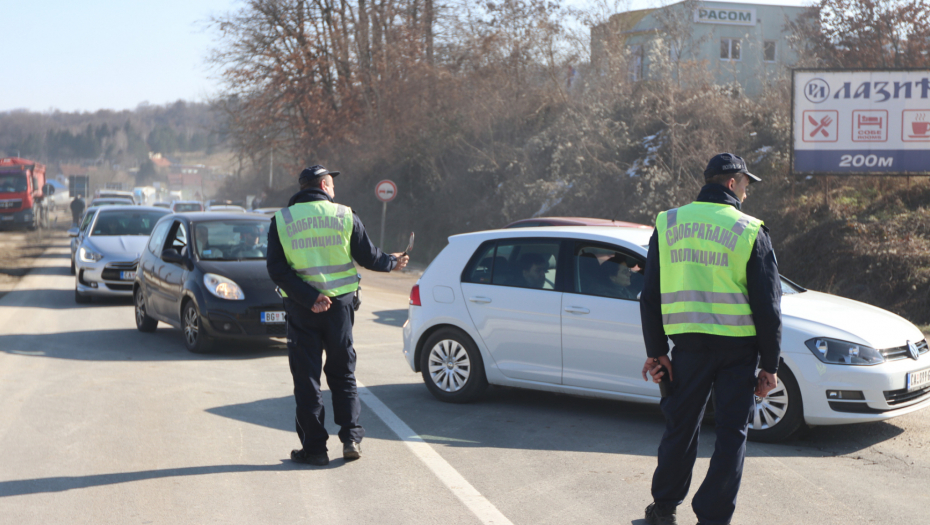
821	126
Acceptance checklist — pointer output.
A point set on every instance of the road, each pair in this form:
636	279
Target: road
103	424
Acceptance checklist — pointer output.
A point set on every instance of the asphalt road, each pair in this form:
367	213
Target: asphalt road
100	423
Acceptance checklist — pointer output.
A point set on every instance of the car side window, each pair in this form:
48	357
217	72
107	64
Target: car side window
87	219
479	271
158	237
526	263
607	271
177	236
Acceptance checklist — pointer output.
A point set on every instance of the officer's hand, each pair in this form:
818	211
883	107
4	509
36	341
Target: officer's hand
402	261
321	304
766	383
652	367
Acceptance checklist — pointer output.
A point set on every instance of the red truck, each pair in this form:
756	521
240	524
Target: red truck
22	194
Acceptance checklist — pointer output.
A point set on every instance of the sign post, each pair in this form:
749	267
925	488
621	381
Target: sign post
385	190
861	122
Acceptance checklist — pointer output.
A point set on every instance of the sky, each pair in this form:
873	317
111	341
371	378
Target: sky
85	55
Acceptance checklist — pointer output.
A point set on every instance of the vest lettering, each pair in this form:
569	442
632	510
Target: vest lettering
716	236
725	261
700	234
725	237
294	245
668	238
688	230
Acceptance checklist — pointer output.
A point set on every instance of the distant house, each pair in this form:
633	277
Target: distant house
737	42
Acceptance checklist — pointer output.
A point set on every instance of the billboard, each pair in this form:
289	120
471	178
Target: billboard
860	122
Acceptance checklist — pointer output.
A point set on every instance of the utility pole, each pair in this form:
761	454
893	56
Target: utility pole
271	170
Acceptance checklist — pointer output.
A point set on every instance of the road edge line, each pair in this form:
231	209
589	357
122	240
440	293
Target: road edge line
483	509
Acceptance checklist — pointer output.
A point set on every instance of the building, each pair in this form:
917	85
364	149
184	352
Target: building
733	42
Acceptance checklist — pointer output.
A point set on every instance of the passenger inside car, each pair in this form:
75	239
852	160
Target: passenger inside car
533	268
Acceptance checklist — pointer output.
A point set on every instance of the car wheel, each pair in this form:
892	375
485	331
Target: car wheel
452	367
143	322
81	299
195	336
780	414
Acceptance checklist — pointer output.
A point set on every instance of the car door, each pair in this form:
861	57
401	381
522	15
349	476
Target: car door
150	260
602	339
171	276
513	299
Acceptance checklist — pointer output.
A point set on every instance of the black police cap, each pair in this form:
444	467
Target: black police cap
726	164
314	172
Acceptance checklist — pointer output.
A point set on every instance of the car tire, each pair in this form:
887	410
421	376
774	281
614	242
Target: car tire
781	413
73	271
196	339
81	299
452	367
143	322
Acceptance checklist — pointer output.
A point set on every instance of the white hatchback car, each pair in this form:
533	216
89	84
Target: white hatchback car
556	309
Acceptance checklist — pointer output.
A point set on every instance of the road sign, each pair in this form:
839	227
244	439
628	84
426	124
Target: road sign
861	122
386	190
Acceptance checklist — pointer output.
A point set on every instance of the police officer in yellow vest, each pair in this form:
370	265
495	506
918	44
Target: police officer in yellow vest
712	286
311	247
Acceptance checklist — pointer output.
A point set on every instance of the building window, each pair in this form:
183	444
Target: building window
636	63
768	51
729	49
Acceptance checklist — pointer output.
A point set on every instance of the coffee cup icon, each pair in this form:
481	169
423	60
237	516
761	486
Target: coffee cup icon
921	128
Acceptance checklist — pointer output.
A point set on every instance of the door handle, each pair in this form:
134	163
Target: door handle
577	310
480	300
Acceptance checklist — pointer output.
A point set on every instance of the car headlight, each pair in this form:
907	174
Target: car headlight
90	256
843	353
222	287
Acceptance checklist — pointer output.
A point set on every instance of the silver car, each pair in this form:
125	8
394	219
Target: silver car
106	258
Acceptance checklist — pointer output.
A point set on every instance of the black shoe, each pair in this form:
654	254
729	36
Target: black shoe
656	517
301	456
352	451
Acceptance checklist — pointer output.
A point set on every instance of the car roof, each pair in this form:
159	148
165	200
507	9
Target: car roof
133	207
576	221
204	216
634	235
186	202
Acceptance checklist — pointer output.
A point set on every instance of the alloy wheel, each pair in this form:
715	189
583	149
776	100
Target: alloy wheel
769	411
449	366
191	326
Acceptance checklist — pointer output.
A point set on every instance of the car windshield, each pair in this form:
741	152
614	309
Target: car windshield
231	240
126	222
12	183
190	206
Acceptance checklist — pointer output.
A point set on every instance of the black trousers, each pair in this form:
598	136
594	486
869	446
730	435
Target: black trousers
699	365
308	336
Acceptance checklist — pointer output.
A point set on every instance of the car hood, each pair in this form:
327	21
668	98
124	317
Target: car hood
824	315
130	246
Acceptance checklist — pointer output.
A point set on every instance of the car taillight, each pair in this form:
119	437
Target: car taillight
415	295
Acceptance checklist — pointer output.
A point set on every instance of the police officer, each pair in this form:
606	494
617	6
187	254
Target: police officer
712	285
77	209
311	246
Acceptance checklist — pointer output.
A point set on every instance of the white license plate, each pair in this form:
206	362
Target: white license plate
918	379
272	317
127	276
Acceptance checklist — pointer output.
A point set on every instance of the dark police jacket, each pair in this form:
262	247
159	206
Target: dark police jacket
764	287
363	251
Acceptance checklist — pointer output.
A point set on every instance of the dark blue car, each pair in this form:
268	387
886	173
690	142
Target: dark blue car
205	274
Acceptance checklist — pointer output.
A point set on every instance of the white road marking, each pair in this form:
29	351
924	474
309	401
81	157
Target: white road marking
463	490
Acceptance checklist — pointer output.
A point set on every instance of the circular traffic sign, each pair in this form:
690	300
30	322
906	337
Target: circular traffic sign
386	190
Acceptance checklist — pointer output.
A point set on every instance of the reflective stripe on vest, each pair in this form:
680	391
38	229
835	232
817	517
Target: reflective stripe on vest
315	237
703	252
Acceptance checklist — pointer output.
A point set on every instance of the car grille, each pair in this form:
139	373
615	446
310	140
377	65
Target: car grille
112	270
901	352
276	329
896	397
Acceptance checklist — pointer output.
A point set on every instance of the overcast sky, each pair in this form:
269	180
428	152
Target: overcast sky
85	55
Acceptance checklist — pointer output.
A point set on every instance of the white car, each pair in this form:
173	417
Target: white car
110	245
556	309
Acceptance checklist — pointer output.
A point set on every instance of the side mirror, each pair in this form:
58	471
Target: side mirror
172	256
49	190
73	232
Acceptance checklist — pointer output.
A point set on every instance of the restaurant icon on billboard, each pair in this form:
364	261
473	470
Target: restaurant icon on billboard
819	126
870	125
915	125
